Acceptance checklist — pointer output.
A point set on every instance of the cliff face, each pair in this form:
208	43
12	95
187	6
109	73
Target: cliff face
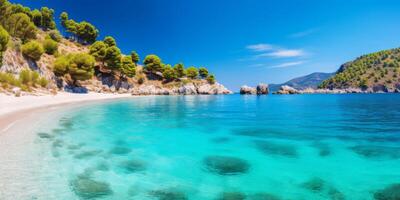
309	81
375	72
103	81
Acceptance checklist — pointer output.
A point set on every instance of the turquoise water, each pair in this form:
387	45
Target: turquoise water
228	147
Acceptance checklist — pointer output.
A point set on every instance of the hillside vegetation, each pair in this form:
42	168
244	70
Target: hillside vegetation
73	56
378	71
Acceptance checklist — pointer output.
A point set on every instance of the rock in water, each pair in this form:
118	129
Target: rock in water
391	192
287	90
262	89
226	165
90	189
247	90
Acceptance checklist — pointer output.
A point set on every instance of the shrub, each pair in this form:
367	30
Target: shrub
180	70
203	72
79	66
4	38
32	50
50	46
128	67
98	50
169	73
211	79
29	77
110	41
43	82
19	25
153	64
113	57
135	57
55	35
192	72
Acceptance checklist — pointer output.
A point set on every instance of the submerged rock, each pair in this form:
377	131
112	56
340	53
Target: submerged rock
87	154
263	196
335	194
132	166
168	194
271	148
45	136
87	188
120	150
232	196
314	185
376	151
323	149
226	165
392	192
221	140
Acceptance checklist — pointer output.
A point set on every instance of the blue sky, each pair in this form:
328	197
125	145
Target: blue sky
244	42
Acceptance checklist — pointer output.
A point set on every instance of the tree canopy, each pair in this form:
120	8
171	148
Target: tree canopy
19	25
83	32
153	64
192	72
32	50
79	66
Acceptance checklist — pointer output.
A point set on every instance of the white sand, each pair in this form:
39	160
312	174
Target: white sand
11	104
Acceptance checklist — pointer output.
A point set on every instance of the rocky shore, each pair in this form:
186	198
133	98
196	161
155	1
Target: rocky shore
285	89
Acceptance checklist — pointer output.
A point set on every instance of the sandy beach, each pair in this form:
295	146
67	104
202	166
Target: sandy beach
13	108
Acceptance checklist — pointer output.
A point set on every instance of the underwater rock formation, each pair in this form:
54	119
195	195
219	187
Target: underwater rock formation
392	192
232	196
168	194
132	166
226	165
271	148
87	188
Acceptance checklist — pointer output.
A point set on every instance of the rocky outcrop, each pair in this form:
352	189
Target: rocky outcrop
185	89
262	89
247	90
287	90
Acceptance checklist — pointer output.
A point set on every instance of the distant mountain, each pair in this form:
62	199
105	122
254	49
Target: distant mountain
375	72
309	81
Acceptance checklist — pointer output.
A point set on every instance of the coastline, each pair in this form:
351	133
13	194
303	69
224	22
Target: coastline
14	108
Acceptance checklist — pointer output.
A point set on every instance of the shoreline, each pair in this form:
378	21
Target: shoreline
13	108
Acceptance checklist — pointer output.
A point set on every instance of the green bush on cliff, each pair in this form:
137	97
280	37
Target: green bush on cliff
32	50
113	57
79	66
169	73
211	79
153	64
83	32
110	41
203	72
98	50
19	25
135	57
128	68
192	72
50	46
180	70
4	39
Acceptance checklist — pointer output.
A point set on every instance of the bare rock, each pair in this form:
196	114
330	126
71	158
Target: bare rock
285	89
16	91
247	90
262	89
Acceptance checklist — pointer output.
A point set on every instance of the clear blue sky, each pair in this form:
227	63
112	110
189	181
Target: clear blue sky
244	42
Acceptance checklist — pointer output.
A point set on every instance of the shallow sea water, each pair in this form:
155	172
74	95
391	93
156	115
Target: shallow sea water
224	147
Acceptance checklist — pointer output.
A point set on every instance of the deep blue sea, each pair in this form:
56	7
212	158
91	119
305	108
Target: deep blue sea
299	147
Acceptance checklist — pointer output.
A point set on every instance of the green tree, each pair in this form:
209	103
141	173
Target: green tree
55	35
180	70
98	50
4	39
128	67
50	46
63	19
135	57
110	41
37	17
152	64
79	66
169	73
47	18
192	72
211	79
20	25
86	32
203	72
32	50
113	57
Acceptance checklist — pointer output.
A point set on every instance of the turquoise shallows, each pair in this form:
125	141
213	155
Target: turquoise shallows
222	147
